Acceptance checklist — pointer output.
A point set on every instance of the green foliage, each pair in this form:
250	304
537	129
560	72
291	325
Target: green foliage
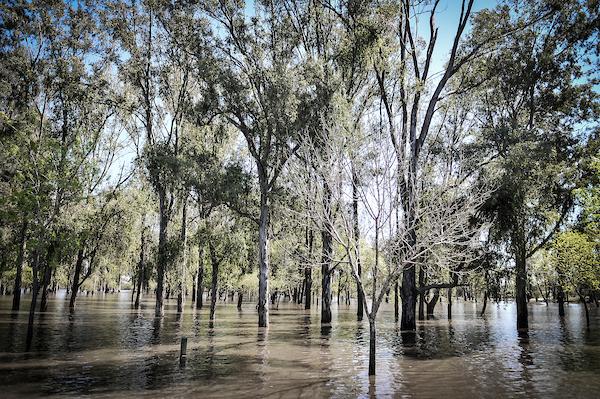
576	260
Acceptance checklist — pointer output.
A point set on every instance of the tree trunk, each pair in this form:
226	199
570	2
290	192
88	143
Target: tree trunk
240	299
372	343
263	256
421	294
432	302
396	303
34	294
560	297
360	305
194	290
587	311
162	254
76	277
449	303
308	271
199	285
326	259
19	274
140	281
409	301
47	276
520	288
183	237
214	280
485	299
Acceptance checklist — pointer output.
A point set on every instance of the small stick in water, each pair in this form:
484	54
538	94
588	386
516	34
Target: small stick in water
183	350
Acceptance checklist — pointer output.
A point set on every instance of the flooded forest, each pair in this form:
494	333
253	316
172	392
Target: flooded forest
300	198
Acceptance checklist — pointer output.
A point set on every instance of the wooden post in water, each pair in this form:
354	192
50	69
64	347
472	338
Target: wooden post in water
183	351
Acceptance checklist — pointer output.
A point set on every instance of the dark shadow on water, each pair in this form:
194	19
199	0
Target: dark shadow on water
156	327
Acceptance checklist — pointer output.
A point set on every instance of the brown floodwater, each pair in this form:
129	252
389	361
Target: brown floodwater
107	349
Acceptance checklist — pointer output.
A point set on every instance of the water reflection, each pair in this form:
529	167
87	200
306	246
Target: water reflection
107	348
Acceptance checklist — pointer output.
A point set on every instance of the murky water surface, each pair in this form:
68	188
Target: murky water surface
107	349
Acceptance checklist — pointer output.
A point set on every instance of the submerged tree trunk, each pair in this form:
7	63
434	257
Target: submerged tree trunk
199	285
34	294
76	277
19	273
308	271
162	254
214	280
409	301
240	299
359	300
560	297
372	345
587	311
47	276
449	303
180	288
422	294
396	303
521	288
485	299
263	256
326	259
141	267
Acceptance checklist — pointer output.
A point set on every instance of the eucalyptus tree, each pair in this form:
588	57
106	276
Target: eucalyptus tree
217	179
257	89
536	103
158	86
58	122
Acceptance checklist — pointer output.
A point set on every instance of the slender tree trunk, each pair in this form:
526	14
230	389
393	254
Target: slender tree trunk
326	259
181	289
76	278
214	280
240	299
301	293
521	287
34	294
359	300
199	284
449	303
372	345
326	294
263	256
194	290
485	299
141	265
396	302
587	311
140	280
308	271
560	297
421	294
162	254
47	276
19	274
